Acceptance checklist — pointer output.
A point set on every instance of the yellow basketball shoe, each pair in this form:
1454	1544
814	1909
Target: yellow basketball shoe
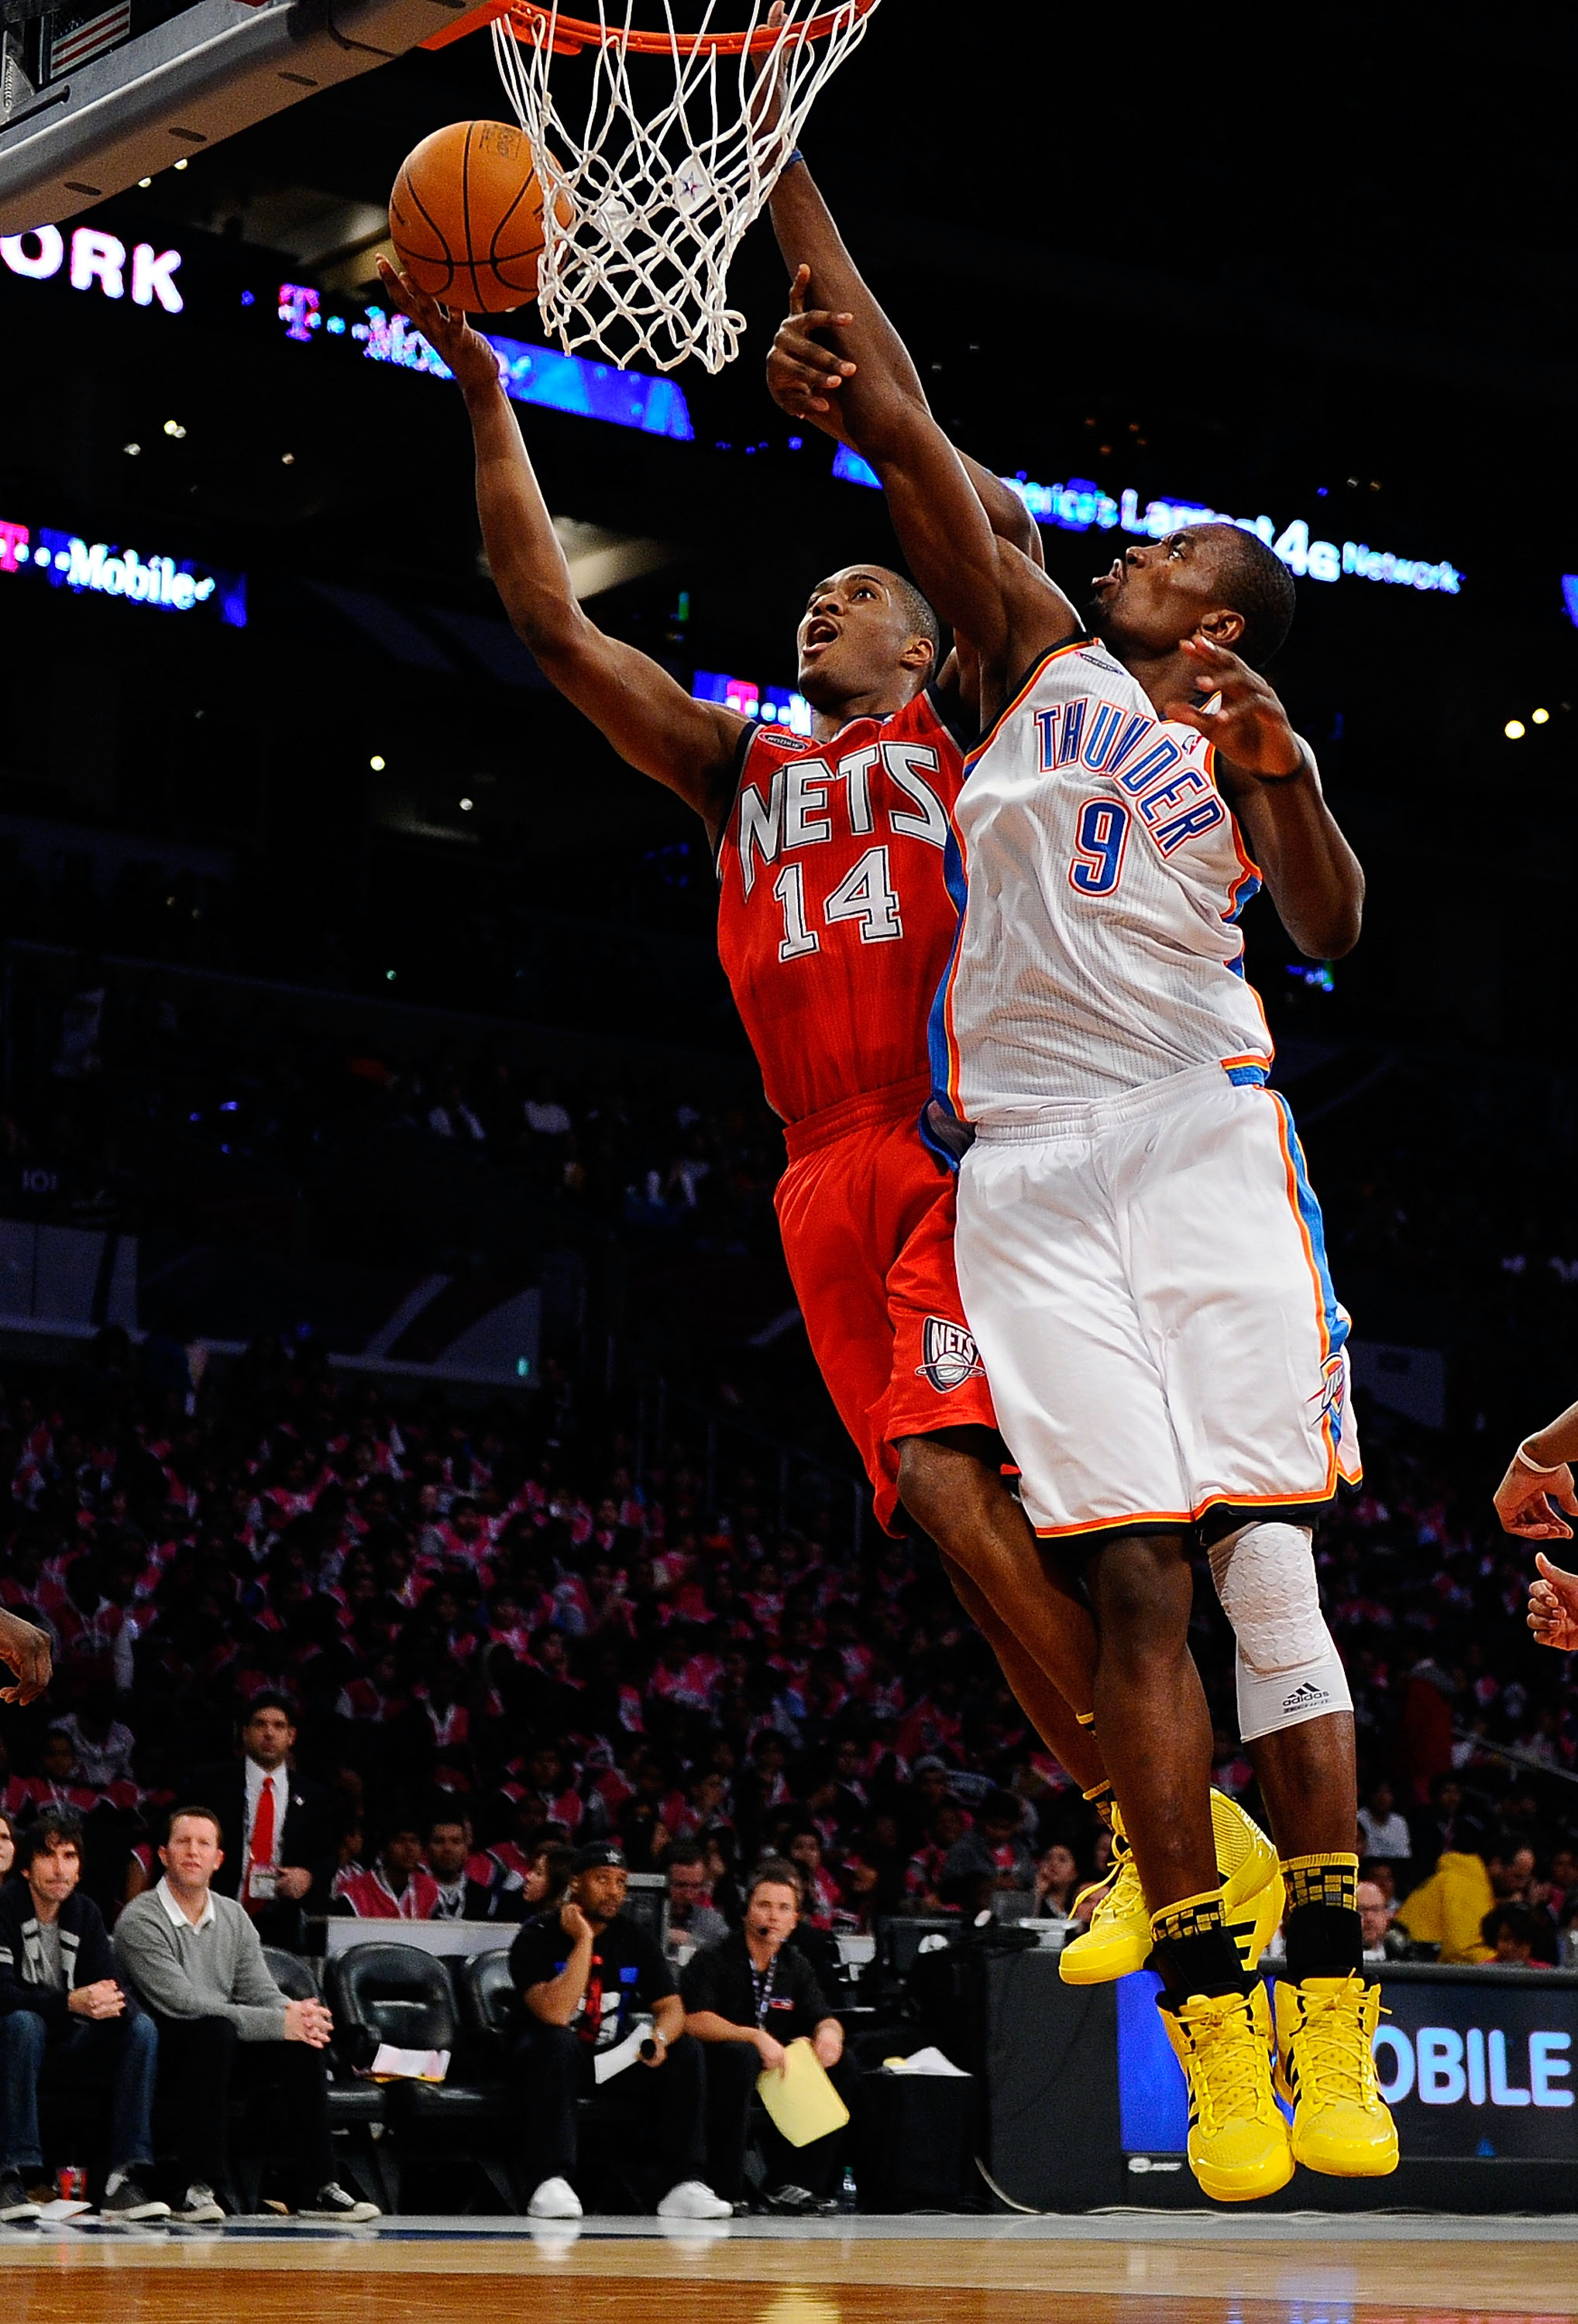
1119	1938
1325	2064
1237	2139
1253	1885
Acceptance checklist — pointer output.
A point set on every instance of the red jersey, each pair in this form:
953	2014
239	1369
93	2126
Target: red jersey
835	918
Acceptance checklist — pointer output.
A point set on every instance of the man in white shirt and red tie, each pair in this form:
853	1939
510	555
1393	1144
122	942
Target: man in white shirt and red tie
277	1828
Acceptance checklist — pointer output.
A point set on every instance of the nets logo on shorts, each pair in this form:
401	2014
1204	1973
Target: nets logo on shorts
951	1356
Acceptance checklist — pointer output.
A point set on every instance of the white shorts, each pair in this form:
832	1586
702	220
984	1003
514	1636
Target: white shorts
1146	1279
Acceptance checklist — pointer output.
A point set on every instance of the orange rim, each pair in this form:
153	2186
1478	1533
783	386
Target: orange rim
529	21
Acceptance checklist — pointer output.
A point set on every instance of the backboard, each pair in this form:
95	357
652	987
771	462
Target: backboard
95	95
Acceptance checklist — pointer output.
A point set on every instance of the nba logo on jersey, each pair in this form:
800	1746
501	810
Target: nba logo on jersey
951	1357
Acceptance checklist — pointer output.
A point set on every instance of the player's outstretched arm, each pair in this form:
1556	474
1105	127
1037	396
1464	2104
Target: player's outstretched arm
650	719
804	381
881	411
801	384
1268	776
996	600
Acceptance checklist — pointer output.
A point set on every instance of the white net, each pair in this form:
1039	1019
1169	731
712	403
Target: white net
656	149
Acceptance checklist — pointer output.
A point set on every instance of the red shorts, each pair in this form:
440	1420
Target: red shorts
867	1218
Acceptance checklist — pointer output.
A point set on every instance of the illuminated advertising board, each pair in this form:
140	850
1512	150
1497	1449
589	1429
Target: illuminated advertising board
773	704
530	374
1471	2065
105	569
95	261
1081	506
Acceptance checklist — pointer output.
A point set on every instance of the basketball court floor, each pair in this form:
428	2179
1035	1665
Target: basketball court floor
1129	2267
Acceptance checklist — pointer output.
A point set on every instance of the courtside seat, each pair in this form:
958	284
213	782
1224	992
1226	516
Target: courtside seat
381	1992
488	2003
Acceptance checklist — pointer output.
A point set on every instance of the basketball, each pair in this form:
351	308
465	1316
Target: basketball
465	217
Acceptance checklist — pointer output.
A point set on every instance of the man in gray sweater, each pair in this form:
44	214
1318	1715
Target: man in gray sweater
195	1959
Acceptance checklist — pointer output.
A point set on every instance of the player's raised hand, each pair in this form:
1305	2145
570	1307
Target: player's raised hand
800	374
765	106
1529	1501
446	332
25	1650
1553	1606
1242	714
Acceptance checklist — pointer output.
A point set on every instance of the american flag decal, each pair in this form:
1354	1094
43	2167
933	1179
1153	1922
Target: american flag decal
77	39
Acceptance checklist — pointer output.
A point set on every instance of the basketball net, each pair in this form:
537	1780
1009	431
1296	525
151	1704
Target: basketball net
656	151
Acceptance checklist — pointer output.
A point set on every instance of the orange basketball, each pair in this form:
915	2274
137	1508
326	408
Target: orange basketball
465	217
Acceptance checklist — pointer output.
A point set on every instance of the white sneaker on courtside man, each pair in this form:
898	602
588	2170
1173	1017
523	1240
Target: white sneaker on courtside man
555	2199
690	2200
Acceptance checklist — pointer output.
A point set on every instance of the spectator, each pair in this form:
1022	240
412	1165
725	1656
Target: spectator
991	1856
1449	1909
277	1830
64	2017
820	1890
747	1997
455	1866
694	1920
1382	1831
397	1888
1056	1882
1511	1933
548	1876
196	1959
103	1744
1382	1943
585	1973
1447	1823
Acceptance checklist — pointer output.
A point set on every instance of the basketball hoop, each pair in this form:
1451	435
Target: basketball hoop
656	152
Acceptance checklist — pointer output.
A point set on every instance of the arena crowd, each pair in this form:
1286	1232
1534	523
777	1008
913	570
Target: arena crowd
488	1638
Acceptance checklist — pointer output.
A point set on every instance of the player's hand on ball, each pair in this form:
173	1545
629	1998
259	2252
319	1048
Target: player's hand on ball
449	335
800	374
1553	1607
1529	1501
24	1648
1242	714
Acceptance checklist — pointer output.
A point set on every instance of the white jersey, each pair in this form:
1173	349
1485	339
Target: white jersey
1101	875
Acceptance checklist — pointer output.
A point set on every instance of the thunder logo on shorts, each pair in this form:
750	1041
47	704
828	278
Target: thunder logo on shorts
950	1356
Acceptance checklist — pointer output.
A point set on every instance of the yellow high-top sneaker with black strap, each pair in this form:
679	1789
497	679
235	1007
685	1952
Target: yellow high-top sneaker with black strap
1119	1940
1325	2064
1238	2145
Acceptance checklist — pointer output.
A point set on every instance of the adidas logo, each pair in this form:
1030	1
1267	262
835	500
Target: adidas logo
1306	1697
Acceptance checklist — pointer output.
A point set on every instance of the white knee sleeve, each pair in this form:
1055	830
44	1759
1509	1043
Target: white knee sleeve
1288	1667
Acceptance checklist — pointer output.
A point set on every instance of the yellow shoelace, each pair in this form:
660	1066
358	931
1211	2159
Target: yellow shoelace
1336	2060
1231	2078
1124	1895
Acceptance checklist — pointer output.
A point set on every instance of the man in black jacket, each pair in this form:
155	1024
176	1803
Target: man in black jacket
746	1998
276	1827
64	2013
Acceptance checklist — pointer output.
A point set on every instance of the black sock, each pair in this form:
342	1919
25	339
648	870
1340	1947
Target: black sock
1324	1934
1193	1952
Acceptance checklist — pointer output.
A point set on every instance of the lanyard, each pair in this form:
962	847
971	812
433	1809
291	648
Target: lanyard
762	1984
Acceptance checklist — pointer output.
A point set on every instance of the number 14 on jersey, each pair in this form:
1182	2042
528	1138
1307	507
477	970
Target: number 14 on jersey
866	896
